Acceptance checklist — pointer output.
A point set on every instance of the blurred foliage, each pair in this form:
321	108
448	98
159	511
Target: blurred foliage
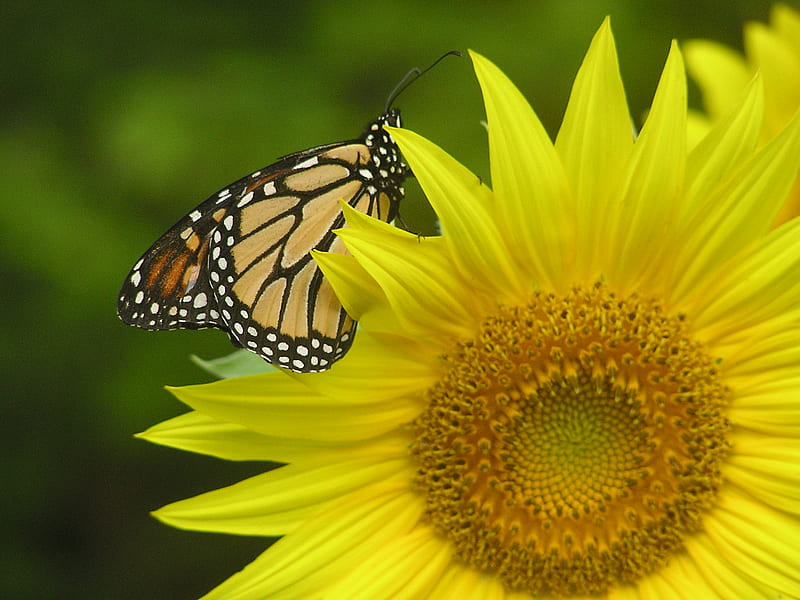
116	120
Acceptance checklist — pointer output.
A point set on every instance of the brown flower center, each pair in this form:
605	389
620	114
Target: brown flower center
573	444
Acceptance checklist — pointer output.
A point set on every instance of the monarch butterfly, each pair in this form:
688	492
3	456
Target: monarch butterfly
240	261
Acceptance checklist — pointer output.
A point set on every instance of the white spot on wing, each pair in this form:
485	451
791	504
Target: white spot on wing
200	300
245	199
307	163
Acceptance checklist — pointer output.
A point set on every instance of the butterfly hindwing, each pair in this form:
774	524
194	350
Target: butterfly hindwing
240	261
168	287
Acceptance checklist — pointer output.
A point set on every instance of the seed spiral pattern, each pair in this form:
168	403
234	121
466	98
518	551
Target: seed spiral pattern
573	443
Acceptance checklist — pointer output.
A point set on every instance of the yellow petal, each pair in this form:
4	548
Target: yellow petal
763	359
680	579
697	127
406	568
277	405
460	582
722	575
326	547
534	205
196	432
277	502
594	143
465	208
416	275
759	540
774	410
641	226
752	290
720	72
361	296
767	468
786	23
739	211
778	64
377	368
732	138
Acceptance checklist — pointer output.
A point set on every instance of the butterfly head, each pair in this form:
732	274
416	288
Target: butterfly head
391	118
390	170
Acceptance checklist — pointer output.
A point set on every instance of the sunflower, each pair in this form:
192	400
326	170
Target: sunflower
772	51
587	386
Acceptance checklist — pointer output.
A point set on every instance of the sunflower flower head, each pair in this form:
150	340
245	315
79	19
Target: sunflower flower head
587	386
771	51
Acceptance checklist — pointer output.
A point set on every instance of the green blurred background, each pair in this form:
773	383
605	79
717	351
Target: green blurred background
116	120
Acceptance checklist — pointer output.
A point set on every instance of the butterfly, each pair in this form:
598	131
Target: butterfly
240	261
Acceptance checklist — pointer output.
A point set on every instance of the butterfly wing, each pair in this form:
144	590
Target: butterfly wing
168	287
240	261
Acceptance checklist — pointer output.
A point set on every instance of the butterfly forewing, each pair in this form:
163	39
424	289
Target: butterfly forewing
240	261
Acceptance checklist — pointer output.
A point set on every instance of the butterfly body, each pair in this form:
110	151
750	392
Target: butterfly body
240	260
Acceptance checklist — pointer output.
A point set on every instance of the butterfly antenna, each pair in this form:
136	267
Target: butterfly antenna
411	77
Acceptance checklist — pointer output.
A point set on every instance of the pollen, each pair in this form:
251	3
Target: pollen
574	443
